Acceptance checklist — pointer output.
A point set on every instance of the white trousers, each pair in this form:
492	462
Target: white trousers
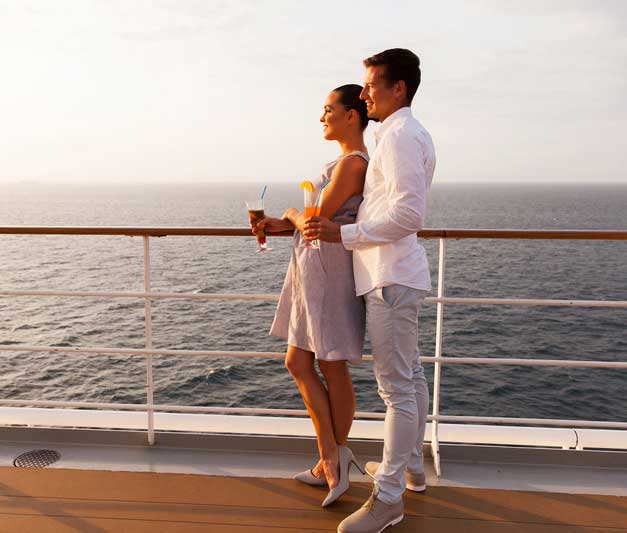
392	315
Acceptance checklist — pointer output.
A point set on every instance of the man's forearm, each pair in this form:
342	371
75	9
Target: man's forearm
384	229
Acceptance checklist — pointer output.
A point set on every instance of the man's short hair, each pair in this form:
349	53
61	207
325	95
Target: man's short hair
400	64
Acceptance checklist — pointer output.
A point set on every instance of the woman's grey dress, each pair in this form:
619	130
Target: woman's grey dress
318	310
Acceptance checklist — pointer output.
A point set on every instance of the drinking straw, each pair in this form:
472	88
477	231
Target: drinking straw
263	193
320	193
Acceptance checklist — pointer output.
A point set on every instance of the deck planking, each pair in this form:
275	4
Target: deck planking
90	501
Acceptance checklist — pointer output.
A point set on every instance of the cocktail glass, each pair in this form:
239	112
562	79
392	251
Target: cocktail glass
255	214
311	210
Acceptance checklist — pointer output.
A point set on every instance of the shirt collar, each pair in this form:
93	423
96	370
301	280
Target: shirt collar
385	125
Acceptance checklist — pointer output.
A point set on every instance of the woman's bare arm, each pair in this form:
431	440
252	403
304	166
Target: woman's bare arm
347	180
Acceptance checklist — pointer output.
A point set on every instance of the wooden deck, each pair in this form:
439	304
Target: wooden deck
58	500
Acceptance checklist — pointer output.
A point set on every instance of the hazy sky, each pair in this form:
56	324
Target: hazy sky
186	90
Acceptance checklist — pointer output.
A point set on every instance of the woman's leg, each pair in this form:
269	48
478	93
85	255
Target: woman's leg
341	397
300	364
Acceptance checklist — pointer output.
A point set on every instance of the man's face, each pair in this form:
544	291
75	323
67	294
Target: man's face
380	97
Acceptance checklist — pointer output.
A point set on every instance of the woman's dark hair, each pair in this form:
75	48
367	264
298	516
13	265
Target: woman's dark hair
349	98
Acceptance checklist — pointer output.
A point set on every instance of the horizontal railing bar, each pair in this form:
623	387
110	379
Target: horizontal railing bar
132	231
177	408
299	412
281	355
143	295
570	363
139	351
427	233
90	405
275	297
530	302
535	421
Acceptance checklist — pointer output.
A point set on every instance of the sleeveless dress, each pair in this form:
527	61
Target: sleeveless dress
318	309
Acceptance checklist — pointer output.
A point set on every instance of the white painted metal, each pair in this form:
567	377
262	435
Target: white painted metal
601	439
148	318
435	446
301	412
281	355
86	405
531	302
138	351
119	407
274	297
147	294
534	421
293	426
525	362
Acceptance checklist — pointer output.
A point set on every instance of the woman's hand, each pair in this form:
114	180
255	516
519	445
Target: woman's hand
272	225
295	217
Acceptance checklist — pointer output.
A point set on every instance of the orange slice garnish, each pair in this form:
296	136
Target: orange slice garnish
307	185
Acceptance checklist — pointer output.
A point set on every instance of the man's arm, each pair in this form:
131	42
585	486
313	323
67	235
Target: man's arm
406	192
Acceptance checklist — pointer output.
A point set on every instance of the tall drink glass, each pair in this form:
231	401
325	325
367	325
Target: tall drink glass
255	214
311	210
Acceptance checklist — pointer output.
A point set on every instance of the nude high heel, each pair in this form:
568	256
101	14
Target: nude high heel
308	478
346	459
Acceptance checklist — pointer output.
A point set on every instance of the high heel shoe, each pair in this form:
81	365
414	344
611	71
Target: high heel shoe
308	477
346	459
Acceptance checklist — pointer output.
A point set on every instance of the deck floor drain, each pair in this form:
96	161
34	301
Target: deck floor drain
37	459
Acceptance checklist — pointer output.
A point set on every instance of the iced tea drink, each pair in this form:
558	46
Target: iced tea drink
255	214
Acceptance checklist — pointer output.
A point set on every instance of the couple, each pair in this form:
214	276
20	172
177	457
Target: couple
369	268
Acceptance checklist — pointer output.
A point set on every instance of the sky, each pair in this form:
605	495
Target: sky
95	91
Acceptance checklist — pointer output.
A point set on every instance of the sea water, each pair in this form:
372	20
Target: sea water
583	270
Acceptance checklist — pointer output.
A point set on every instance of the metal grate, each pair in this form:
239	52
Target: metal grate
37	459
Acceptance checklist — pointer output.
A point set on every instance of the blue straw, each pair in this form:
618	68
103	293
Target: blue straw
320	193
263	193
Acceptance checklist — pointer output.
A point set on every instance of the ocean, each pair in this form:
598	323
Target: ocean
479	268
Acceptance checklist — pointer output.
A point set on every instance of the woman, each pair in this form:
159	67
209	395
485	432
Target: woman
318	312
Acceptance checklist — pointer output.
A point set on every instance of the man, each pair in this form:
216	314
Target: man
392	273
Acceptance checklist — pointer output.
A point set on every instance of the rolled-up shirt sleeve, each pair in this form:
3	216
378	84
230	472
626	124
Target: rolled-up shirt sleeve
404	172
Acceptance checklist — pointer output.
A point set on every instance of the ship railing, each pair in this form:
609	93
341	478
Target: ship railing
614	439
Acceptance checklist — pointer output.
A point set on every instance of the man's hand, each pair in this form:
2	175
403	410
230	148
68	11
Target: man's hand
323	229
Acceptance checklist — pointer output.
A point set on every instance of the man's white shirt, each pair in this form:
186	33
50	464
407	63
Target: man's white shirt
386	250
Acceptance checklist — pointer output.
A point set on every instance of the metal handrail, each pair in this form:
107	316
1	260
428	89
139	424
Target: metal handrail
427	233
275	297
442	234
504	361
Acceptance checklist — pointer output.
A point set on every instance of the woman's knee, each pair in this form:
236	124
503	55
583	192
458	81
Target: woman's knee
334	370
299	363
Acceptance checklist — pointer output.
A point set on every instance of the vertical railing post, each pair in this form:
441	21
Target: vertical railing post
437	372
148	312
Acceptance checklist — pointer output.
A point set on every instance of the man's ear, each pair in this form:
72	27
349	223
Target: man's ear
400	89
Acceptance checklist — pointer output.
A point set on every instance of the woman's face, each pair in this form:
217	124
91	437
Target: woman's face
335	118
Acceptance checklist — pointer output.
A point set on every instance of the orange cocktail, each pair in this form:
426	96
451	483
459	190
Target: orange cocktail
312	208
312	211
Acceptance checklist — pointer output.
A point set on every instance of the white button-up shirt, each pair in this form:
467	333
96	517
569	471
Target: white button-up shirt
386	250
